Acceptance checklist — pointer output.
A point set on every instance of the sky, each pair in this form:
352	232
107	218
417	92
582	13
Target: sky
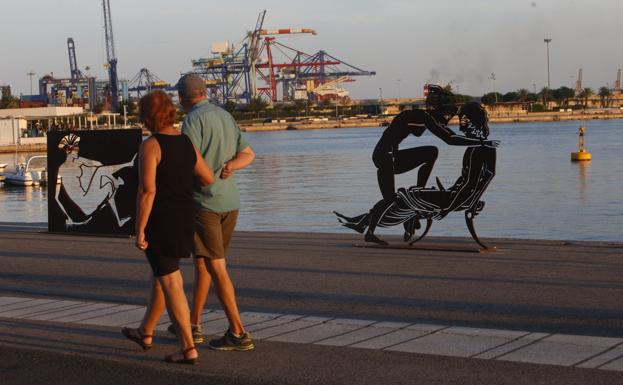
407	42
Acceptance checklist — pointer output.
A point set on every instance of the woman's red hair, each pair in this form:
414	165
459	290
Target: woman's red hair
157	111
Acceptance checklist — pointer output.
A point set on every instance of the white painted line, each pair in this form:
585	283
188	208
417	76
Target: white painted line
511	346
4	301
519	346
165	321
603	359
215	327
393	337
45	308
321	331
457	342
356	336
84	312
131	313
563	350
289	327
280	320
59	313
77	318
18	308
250	318
614	365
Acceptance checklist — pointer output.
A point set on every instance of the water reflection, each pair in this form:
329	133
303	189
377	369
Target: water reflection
299	177
583	170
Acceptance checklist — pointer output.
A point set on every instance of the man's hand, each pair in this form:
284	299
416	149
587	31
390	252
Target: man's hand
227	170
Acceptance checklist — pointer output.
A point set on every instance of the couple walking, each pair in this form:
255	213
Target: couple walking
175	216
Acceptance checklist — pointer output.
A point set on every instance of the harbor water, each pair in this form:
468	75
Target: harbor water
301	177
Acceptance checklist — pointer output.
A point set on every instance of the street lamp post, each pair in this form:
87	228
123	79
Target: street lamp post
380	100
31	74
547	41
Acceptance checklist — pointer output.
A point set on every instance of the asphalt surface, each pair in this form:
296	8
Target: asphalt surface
547	286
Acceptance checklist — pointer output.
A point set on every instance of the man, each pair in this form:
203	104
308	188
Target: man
220	142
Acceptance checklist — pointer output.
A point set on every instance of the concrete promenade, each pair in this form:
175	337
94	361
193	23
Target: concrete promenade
322	312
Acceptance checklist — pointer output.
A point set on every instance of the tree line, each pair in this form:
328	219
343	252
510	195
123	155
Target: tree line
560	96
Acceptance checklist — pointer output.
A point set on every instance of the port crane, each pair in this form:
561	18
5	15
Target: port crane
145	81
73	64
232	74
111	57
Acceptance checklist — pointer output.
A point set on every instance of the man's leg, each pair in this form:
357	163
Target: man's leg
225	292
423	157
203	280
207	243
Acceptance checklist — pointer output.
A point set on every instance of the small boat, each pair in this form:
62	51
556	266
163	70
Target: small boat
2	166
28	175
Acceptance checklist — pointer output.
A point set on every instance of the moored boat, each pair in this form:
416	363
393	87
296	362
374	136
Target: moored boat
29	173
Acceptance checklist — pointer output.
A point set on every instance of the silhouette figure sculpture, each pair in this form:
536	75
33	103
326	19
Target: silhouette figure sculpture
418	202
390	160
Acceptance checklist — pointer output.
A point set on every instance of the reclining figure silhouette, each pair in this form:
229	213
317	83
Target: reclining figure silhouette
434	203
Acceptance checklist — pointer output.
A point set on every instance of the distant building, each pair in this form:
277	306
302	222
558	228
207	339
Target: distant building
5	91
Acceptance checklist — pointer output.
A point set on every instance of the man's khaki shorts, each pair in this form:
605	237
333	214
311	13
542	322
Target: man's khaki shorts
213	232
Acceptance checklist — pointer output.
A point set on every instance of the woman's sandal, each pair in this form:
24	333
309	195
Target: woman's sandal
135	335
189	361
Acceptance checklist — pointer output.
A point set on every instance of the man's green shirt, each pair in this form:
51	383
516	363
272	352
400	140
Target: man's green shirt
218	138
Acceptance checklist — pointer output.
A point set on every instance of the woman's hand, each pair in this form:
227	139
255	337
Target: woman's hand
141	243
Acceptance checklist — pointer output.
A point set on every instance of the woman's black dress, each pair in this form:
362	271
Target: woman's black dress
170	227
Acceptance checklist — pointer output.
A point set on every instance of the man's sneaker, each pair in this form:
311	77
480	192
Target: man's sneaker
196	330
230	342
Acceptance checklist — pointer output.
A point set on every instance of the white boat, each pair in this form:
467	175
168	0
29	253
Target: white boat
2	166
29	174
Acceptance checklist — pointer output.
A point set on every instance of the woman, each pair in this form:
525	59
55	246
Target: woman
168	164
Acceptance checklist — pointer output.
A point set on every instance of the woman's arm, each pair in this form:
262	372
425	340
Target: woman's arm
149	157
202	170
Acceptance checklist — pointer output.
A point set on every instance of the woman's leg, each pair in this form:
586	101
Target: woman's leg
385	173
177	306
423	157
154	310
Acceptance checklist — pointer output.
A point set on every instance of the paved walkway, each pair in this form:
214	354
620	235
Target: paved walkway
445	340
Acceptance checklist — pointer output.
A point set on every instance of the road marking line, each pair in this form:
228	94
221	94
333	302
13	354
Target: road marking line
506	345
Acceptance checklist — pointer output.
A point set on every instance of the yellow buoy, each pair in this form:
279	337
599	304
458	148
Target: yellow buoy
582	155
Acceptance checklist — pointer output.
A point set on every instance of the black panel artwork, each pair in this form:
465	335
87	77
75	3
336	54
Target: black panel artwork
92	181
410	206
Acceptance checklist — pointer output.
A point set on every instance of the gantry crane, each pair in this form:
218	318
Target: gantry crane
146	81
233	73
111	57
73	63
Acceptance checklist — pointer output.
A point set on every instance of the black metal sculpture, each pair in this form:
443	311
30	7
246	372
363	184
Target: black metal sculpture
416	203
97	189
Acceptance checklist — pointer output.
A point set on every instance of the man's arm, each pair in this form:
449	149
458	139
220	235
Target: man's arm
238	162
